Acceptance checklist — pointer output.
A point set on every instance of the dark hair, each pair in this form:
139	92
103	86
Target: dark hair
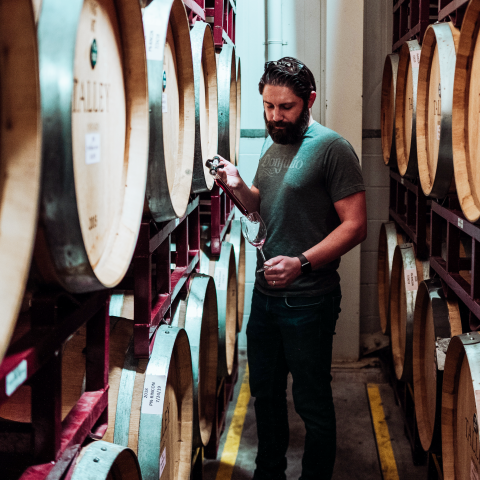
289	72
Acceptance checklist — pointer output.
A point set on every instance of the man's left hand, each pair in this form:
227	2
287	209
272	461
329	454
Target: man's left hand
281	271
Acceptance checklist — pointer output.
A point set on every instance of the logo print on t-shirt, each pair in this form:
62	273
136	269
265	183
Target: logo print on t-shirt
274	165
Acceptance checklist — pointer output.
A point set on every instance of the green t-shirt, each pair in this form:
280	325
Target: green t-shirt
299	185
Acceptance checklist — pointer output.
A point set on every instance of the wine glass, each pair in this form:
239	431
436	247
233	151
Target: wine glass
255	232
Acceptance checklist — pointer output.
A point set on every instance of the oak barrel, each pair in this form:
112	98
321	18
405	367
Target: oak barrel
227	103
434	109
223	270
106	461
150	401
239	111
236	238
198	315
387	109
407	273
18	407
389	238
465	118
94	96
171	92
206	105
460	407
20	152
405	109
436	321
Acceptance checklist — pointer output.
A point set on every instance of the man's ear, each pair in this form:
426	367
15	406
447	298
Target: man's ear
311	99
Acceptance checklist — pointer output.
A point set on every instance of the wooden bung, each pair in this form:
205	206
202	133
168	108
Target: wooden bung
227	103
20	156
223	271
465	115
405	109
171	90
389	238
460	407
387	109
239	111
436	321
106	461
236	238
95	140
434	109
206	105
407	273
198	315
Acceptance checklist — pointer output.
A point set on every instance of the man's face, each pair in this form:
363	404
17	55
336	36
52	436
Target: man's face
286	115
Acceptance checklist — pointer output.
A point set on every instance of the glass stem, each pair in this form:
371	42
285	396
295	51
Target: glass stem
263	256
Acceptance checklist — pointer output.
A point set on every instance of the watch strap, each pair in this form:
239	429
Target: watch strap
306	266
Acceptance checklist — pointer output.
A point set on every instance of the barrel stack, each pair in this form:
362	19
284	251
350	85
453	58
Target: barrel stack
109	110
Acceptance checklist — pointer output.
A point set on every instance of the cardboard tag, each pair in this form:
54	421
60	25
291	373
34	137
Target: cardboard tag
92	148
163	460
442	347
411	280
16	377
153	394
164	102
415	58
221	279
153	41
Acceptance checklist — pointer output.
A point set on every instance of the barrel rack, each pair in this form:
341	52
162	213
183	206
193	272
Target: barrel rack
49	445
412	17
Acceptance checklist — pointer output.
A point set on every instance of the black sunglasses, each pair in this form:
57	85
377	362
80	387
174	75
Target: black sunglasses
283	63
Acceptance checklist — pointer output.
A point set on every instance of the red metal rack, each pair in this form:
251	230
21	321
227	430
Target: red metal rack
408	207
195	10
154	291
448	269
410	19
217	210
222	17
50	445
453	10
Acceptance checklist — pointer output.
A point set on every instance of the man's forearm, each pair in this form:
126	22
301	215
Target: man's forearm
340	241
250	199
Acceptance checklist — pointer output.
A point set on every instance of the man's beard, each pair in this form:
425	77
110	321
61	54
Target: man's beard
293	132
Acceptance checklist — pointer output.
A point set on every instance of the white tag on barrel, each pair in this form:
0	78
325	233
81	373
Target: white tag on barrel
415	58
153	394
411	280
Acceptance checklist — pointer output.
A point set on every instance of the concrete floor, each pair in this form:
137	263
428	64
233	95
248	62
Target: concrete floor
356	448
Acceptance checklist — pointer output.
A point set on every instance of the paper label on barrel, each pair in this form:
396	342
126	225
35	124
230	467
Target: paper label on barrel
163	461
473	471
153	40
92	148
153	394
16	377
164	102
438	132
221	278
441	349
415	58
411	280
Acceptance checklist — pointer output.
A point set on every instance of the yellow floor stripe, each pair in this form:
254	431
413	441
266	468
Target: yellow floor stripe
384	446
230	451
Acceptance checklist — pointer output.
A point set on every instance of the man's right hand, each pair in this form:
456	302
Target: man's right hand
229	174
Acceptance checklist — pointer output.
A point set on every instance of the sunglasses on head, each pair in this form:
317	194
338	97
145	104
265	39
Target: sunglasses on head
283	63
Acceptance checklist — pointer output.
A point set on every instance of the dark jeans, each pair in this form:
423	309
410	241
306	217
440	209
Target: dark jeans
293	334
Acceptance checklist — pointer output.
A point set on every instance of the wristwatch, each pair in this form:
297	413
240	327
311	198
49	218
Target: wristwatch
305	264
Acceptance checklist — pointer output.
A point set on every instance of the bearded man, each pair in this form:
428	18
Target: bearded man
309	190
